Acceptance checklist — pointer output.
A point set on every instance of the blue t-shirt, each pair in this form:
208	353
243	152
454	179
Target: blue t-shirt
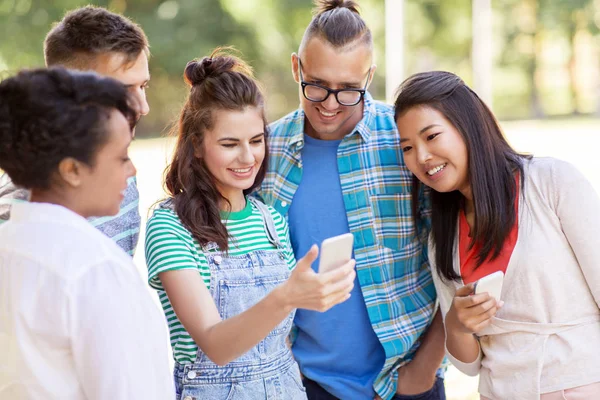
338	348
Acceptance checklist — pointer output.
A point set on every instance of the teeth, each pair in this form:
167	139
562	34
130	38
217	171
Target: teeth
241	170
435	170
326	114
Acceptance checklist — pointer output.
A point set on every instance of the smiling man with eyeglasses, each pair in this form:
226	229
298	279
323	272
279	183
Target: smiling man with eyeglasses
345	96
335	167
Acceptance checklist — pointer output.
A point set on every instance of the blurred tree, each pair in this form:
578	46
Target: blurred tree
178	31
437	34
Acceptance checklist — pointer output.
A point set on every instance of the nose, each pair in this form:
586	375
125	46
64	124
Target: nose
330	103
142	103
132	170
246	156
423	154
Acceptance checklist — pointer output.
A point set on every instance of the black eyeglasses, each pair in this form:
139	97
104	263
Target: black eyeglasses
345	97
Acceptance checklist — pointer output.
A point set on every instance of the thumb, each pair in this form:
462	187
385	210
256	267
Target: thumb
310	257
465	290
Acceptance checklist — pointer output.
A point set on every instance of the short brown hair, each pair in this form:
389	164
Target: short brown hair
87	32
339	23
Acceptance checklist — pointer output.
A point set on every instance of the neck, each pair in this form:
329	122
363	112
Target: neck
235	202
469	207
59	198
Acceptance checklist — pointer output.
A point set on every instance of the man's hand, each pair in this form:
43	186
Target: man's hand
418	376
411	382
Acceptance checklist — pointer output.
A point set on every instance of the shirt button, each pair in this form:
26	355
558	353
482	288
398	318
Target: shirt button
188	398
218	259
191	375
283	203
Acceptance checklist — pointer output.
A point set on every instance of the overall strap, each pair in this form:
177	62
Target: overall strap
268	220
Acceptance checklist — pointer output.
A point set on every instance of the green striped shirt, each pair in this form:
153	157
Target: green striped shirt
170	246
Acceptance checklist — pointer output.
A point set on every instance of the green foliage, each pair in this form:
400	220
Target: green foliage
533	42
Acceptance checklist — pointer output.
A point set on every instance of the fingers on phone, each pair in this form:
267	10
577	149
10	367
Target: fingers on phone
339	273
465	290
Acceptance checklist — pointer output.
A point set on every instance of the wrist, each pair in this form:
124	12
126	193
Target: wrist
282	298
452	325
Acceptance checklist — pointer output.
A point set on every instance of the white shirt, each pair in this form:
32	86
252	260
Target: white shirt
76	319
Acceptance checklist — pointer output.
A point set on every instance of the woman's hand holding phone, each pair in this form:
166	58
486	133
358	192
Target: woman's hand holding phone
318	291
470	312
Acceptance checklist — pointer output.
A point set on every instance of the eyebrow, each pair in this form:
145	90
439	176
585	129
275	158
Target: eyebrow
128	85
428	127
237	140
313	78
310	77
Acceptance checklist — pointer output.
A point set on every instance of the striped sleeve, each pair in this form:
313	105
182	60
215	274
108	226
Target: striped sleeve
284	235
169	246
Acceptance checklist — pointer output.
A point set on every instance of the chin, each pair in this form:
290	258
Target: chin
111	212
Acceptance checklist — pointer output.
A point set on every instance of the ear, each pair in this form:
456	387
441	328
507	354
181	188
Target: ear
71	171
295	72
196	147
371	74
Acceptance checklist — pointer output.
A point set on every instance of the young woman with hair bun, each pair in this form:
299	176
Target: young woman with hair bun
222	261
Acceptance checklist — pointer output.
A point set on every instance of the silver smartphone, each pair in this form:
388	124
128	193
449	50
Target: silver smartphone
335	251
491	284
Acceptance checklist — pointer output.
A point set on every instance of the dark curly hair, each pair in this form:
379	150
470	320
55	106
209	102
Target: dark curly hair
47	115
219	82
86	32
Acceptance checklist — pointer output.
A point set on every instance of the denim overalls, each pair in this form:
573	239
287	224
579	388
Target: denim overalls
268	370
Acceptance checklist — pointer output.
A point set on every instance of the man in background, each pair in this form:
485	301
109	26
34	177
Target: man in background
93	38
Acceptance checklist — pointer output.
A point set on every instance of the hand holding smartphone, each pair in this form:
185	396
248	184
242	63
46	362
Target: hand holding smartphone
491	284
335	251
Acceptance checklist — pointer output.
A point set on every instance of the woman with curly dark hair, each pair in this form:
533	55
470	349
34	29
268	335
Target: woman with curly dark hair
72	303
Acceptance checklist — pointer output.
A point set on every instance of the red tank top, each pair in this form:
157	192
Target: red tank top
469	271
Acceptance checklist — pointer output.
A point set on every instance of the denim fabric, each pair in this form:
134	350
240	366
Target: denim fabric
268	370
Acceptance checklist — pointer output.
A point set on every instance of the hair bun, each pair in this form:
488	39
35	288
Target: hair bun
221	60
197	71
323	6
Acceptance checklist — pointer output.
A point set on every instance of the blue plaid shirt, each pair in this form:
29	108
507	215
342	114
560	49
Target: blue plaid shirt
391	260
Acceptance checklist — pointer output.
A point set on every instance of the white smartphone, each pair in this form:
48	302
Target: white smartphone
335	251
491	284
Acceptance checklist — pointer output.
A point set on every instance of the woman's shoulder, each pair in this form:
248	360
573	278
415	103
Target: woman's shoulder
164	218
277	217
550	170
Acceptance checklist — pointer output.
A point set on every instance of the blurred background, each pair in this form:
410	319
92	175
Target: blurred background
545	54
538	60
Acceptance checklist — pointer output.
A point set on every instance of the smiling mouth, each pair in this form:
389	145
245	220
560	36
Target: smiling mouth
241	170
437	169
327	114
